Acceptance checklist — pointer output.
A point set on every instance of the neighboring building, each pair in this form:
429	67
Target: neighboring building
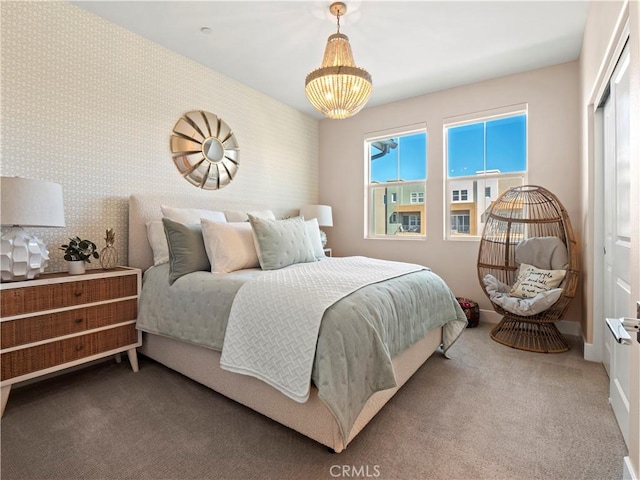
470	198
399	210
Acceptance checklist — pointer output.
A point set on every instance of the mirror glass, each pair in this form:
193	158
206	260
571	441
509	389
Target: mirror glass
213	150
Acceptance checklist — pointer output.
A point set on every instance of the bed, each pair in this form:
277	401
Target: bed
327	414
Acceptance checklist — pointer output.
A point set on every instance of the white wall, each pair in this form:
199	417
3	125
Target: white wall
553	129
91	106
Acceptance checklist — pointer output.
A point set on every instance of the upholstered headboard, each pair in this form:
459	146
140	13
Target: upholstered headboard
145	208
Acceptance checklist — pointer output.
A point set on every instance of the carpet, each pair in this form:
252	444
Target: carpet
488	412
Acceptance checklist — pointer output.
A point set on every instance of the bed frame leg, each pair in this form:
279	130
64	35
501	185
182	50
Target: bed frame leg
444	354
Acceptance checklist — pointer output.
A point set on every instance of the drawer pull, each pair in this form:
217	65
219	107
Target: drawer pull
78	294
78	348
79	320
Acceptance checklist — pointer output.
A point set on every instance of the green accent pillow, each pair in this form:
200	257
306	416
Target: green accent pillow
280	243
186	249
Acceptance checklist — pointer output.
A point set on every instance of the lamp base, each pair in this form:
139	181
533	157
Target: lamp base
22	256
323	237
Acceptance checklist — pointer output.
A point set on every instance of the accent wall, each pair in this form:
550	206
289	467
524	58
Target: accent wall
91	106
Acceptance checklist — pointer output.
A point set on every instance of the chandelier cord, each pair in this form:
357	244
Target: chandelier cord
338	17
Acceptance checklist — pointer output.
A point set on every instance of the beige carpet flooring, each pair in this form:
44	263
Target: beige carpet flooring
489	412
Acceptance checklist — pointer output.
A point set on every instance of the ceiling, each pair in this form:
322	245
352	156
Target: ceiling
410	48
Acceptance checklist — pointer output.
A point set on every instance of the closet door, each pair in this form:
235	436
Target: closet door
618	241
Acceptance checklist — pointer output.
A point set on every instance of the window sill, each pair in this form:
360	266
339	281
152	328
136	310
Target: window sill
463	238
402	238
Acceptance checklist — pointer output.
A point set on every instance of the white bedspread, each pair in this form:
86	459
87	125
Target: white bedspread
274	321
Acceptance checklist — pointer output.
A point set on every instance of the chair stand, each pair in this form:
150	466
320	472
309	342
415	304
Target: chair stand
541	337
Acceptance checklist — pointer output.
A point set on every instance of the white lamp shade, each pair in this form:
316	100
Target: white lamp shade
321	212
31	203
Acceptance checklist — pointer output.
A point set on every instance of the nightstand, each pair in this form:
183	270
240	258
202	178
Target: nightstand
328	252
59	321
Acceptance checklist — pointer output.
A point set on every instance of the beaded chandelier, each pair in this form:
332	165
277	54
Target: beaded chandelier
338	89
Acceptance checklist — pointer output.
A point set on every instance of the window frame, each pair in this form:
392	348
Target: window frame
469	119
369	187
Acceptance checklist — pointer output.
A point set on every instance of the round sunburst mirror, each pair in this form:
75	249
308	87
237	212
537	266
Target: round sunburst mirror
205	150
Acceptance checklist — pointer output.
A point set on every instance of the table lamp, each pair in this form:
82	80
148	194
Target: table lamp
27	203
322	213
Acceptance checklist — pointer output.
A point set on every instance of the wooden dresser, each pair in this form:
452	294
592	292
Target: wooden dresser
59	321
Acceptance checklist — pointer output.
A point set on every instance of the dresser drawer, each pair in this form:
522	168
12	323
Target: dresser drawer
43	327
18	301
33	359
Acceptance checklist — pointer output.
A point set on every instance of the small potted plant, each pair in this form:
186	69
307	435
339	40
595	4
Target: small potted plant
78	253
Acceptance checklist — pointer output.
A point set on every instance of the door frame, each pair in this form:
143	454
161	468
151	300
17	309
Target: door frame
595	351
627	27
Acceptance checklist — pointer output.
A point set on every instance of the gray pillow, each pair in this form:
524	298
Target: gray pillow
186	249
281	242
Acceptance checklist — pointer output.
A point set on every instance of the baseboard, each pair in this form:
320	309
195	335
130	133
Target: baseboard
627	472
591	353
566	328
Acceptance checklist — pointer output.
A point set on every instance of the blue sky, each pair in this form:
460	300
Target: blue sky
506	146
506	151
413	165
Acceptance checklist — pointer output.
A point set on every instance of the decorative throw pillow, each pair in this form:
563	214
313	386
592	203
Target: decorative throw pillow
190	216
313	230
532	280
158	241
281	242
186	249
229	245
242	216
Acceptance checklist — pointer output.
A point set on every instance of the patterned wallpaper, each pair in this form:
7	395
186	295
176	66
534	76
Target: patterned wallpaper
91	106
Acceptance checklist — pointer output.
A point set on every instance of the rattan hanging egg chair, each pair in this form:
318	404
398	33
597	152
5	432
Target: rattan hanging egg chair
519	218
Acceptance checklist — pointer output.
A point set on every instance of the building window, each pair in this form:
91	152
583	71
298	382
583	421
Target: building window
460	222
459	195
397	172
417	197
483	155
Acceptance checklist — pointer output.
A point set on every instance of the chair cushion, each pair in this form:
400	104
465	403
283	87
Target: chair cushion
548	253
526	307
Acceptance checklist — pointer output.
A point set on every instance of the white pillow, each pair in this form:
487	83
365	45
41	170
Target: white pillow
532	280
189	216
158	241
313	230
241	216
229	245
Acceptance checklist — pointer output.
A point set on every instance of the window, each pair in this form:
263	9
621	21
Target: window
417	197
460	222
484	155
459	195
397	172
